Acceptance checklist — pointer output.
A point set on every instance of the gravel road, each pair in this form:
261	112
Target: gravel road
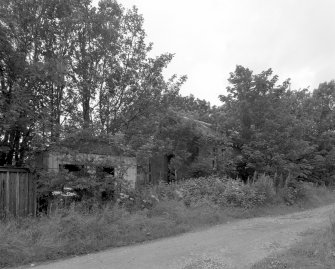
233	245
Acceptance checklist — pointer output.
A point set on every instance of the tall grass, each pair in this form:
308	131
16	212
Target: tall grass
70	232
156	212
317	250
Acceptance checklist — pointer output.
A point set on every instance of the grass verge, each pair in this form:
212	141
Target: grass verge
316	250
73	232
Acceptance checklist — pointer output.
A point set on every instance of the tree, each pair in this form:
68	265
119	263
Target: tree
67	66
320	107
19	79
265	122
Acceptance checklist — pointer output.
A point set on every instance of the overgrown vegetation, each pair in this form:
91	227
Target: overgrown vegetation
154	212
74	69
316	250
74	72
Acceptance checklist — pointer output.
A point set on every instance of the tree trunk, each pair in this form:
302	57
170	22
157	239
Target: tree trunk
86	107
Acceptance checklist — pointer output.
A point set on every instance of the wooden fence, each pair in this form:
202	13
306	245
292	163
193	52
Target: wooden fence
17	192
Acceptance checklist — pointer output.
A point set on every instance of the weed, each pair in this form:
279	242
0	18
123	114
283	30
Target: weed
317	250
160	211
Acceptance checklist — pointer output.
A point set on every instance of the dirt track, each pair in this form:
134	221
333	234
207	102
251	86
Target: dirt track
233	245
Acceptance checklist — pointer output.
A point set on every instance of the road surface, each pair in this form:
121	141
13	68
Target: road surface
233	245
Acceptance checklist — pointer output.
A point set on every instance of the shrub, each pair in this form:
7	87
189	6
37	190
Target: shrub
165	191
200	168
293	192
227	192
174	208
233	194
240	195
265	187
208	188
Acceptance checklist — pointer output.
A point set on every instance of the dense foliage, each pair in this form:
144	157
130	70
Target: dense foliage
70	68
159	211
276	130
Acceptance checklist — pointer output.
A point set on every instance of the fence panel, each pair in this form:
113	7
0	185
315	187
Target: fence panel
17	192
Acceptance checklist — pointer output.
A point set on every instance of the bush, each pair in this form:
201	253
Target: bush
160	211
293	192
240	195
208	188
174	210
227	192
200	168
165	191
265	187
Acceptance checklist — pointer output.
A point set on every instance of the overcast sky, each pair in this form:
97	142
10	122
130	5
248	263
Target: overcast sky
296	38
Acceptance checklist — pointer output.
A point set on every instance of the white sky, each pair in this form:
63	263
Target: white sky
296	38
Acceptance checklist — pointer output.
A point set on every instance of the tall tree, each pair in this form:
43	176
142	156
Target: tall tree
133	83
69	65
264	121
